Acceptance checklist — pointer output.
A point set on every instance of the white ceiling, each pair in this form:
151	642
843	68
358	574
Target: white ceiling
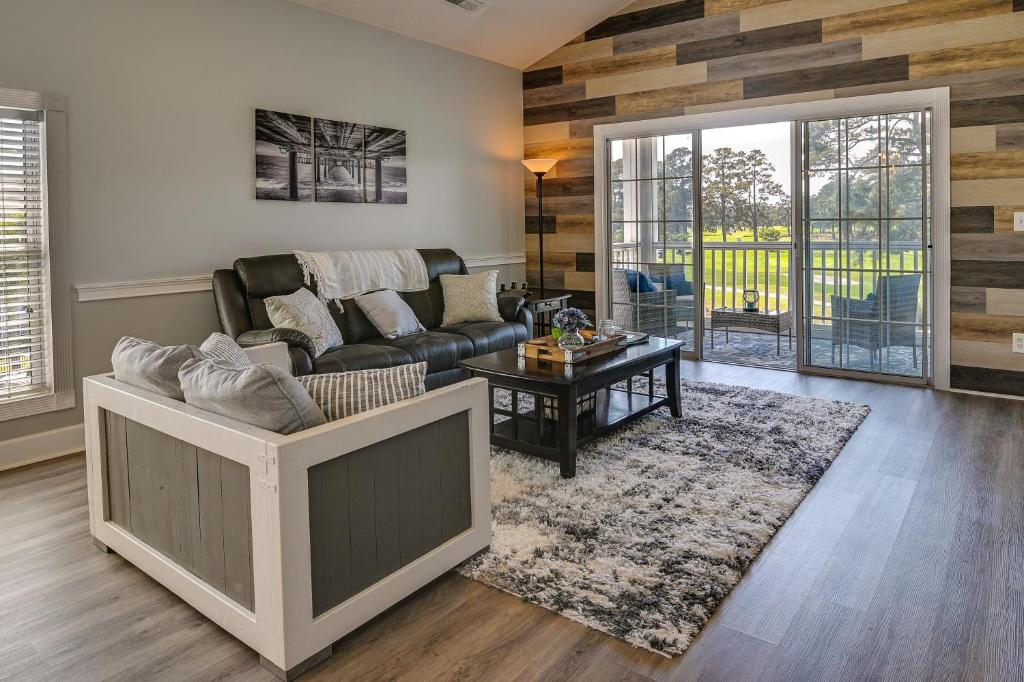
516	33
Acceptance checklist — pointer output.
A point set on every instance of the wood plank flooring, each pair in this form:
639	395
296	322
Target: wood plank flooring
903	563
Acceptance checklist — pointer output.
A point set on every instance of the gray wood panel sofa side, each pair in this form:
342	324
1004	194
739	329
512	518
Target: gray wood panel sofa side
289	542
382	507
190	504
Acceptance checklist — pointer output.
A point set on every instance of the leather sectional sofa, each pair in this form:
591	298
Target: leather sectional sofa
240	291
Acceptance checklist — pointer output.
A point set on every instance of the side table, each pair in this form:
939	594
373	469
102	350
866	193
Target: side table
543	310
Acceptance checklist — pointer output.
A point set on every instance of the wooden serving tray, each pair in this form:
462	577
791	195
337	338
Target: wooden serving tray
546	348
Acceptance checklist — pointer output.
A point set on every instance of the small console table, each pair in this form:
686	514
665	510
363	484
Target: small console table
775	322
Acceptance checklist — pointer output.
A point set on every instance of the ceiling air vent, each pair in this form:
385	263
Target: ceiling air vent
468	5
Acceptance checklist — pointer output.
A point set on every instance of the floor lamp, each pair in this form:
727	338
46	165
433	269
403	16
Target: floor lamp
540	167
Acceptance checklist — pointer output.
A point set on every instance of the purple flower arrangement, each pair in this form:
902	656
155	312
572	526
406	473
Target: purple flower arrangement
571	320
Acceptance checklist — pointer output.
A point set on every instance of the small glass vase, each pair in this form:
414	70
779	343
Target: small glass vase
571	340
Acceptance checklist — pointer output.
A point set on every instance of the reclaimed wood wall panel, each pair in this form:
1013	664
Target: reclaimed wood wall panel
732	54
972	219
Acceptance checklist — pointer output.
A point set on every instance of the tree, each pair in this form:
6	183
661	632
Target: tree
763	193
847	183
722	189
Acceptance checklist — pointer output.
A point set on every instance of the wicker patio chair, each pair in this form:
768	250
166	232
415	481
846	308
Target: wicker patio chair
652	312
895	300
664	273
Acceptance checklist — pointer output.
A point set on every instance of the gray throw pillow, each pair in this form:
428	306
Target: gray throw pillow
386	311
262	395
222	347
343	394
151	366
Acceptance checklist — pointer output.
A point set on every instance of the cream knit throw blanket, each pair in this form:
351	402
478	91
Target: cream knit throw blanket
344	274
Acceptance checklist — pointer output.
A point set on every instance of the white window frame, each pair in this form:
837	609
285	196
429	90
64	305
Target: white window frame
62	393
937	99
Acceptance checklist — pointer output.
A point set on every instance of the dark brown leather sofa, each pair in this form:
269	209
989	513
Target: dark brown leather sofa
239	294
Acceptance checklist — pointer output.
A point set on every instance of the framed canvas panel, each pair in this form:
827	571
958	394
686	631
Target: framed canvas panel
284	159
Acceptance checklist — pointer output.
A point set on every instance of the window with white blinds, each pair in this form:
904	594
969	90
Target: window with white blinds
25	347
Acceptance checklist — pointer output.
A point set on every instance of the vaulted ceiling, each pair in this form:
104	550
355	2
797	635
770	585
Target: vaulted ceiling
512	32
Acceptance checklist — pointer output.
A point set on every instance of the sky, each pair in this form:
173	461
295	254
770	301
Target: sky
770	138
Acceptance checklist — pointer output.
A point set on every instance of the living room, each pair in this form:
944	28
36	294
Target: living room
725	383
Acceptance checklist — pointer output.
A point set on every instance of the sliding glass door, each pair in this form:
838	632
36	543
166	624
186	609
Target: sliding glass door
865	245
653	285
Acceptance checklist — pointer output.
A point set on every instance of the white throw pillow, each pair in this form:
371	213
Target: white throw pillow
392	316
305	312
342	394
223	348
470	298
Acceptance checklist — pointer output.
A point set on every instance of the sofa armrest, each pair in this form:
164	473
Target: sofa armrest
300	346
271	354
508	307
513	309
292	337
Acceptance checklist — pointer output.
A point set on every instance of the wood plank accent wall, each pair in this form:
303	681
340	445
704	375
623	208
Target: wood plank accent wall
659	58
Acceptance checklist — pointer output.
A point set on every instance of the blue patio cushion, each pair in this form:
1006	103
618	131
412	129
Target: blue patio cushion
635	279
677	280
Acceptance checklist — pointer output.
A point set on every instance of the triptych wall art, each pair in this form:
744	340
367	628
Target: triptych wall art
299	158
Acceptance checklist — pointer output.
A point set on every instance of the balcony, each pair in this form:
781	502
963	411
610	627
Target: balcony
848	328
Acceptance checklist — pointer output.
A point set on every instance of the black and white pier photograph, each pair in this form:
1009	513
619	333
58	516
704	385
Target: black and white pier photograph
284	164
358	163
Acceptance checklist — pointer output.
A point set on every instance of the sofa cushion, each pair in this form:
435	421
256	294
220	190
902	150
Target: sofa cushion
357	356
439	350
342	394
489	337
262	395
151	366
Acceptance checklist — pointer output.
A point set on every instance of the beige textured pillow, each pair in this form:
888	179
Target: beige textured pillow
470	298
305	312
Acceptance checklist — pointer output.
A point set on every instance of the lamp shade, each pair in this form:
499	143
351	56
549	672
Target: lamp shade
540	165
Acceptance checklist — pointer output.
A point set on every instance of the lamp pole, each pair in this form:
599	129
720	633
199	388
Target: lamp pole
540	226
540	167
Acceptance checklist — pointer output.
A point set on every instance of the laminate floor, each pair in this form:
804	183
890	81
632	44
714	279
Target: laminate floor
905	562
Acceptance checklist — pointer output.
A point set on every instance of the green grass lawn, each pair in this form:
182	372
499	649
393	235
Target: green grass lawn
856	277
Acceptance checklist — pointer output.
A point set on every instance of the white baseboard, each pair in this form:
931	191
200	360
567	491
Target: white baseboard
37	447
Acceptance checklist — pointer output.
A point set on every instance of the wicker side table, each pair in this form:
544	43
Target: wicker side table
774	322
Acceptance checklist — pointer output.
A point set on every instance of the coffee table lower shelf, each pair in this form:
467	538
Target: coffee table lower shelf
614	408
560	428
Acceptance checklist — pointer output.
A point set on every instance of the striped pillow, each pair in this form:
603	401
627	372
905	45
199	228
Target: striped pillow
343	394
223	348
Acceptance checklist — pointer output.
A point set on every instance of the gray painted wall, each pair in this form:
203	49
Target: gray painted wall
160	126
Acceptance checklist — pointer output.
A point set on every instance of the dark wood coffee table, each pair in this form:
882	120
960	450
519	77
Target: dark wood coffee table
555	434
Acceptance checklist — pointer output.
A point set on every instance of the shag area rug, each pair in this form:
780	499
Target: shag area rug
664	515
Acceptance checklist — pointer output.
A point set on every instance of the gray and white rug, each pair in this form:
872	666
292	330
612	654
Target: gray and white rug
664	516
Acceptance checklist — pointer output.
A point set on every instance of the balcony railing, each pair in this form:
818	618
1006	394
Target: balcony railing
847	268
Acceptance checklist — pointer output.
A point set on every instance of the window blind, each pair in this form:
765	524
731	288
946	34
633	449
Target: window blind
25	363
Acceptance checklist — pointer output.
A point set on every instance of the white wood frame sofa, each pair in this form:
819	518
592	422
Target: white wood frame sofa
289	542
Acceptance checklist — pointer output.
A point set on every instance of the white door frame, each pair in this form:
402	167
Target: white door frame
936	99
